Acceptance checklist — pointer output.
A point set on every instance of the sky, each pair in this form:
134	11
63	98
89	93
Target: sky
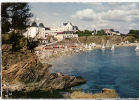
121	16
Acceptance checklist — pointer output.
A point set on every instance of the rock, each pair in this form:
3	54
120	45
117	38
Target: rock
106	90
60	74
74	81
106	93
49	65
26	72
53	76
62	81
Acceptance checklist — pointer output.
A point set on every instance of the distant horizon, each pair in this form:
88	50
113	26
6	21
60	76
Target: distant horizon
119	16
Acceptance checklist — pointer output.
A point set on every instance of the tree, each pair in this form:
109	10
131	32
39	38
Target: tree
31	45
134	33
87	33
84	33
100	32
14	39
5	17
15	16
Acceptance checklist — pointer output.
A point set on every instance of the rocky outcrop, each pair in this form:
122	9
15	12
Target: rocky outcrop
52	82
61	81
22	71
105	93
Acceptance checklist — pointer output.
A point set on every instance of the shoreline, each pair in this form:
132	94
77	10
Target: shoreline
67	52
47	56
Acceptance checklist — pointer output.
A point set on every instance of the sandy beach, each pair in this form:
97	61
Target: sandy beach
46	55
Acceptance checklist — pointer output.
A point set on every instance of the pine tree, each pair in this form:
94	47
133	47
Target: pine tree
15	16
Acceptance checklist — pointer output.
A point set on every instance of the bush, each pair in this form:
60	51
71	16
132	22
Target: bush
14	40
23	42
18	41
130	39
5	39
84	33
134	33
31	45
100	33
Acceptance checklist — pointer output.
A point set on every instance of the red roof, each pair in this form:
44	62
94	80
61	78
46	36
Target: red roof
59	32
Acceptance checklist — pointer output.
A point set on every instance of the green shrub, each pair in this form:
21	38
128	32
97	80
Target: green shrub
5	39
23	42
100	33
134	33
130	39
31	45
84	33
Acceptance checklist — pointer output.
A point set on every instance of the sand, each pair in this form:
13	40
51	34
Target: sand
48	55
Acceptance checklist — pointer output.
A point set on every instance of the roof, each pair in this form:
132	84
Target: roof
41	25
67	23
47	28
34	24
117	31
59	32
75	27
112	30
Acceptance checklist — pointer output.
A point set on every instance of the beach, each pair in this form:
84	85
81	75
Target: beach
47	54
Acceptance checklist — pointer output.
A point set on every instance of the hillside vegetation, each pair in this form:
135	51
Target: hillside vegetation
99	39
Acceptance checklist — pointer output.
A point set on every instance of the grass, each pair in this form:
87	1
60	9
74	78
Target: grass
79	94
37	94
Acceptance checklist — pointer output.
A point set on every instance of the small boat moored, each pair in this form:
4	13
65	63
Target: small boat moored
137	48
103	46
112	48
89	47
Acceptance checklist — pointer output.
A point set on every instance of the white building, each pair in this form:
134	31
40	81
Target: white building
31	31
35	31
66	28
41	33
111	32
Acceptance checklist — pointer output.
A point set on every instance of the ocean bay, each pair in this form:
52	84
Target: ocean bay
116	69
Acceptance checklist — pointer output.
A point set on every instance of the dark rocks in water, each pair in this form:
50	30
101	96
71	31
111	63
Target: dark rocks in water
60	81
53	76
104	90
54	81
60	74
49	65
77	81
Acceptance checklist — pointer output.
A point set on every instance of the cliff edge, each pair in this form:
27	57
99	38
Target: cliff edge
22	71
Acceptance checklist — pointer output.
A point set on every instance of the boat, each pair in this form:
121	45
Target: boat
103	46
86	46
112	48
89	47
137	48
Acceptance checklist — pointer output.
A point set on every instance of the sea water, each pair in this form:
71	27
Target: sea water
118	69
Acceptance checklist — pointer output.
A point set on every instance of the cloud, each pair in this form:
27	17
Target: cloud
86	14
56	14
127	6
110	15
121	15
117	16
